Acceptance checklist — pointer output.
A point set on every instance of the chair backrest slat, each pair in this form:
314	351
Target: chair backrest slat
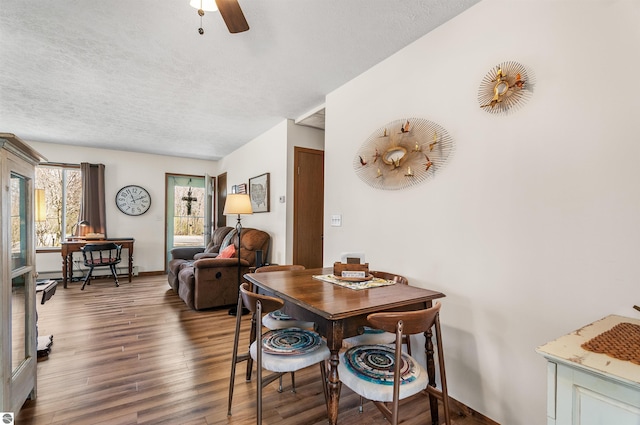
249	299
278	268
105	253
413	322
390	276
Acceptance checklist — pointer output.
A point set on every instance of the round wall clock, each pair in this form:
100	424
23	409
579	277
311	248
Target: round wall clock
133	200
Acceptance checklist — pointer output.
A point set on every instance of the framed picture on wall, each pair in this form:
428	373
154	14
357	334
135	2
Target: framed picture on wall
234	189
259	193
242	188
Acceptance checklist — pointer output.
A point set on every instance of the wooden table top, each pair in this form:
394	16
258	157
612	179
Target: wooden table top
82	241
334	302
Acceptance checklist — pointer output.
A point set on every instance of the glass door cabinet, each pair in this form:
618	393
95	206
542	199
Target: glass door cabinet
18	344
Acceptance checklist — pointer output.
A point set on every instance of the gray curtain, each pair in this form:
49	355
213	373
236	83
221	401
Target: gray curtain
92	207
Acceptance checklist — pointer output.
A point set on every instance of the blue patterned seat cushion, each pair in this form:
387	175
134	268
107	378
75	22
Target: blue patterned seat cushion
368	371
290	341
375	363
278	320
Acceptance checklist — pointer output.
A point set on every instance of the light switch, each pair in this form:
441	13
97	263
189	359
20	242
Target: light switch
336	220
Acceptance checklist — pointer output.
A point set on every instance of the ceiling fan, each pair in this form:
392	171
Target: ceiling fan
229	9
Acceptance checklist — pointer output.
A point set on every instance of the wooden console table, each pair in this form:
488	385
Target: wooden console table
74	245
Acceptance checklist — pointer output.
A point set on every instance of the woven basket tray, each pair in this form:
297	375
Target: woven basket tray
621	342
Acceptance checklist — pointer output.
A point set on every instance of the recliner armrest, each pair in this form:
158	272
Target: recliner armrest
210	263
205	255
186	253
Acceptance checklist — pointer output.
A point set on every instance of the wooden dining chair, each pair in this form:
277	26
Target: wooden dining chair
376	373
277	319
372	335
279	351
101	255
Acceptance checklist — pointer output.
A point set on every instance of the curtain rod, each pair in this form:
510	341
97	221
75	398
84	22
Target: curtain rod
60	164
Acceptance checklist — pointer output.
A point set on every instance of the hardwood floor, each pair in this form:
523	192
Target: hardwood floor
138	355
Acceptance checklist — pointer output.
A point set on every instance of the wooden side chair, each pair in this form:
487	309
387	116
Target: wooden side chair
279	351
101	255
374	372
277	319
371	335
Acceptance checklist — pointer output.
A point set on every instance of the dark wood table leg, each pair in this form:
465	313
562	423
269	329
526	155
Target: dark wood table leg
334	388
67	269
64	271
70	265
130	263
431	371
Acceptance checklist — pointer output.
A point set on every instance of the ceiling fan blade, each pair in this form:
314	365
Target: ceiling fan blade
232	15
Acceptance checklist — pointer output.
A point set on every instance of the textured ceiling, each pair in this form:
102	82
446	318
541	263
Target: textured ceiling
136	75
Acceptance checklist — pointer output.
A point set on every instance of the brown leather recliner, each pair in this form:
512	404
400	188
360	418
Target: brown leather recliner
213	282
181	257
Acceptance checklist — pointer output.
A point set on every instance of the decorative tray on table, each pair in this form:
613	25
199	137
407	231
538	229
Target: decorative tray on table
356	284
354	279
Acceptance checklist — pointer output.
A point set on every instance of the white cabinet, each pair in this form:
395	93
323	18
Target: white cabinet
587	388
17	273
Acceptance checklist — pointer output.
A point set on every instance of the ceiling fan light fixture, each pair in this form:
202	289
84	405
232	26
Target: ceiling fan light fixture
206	5
229	10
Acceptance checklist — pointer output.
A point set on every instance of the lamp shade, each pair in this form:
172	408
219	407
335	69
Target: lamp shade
75	230
238	203
206	5
41	206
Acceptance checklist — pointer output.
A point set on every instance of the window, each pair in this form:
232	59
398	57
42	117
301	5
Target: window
18	224
188	215
62	187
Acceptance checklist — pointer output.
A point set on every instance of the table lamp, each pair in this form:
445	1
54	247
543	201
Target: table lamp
77	226
238	203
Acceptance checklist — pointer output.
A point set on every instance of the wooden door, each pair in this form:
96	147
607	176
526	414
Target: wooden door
308	207
221	219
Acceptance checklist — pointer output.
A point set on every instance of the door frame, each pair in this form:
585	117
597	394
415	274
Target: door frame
208	207
221	196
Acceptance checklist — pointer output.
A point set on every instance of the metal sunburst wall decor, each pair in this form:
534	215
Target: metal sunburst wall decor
504	88
403	153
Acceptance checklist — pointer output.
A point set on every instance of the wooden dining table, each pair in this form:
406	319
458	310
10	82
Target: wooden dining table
340	312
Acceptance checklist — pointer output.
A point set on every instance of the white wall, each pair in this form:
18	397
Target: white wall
532	230
265	154
121	169
271	152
